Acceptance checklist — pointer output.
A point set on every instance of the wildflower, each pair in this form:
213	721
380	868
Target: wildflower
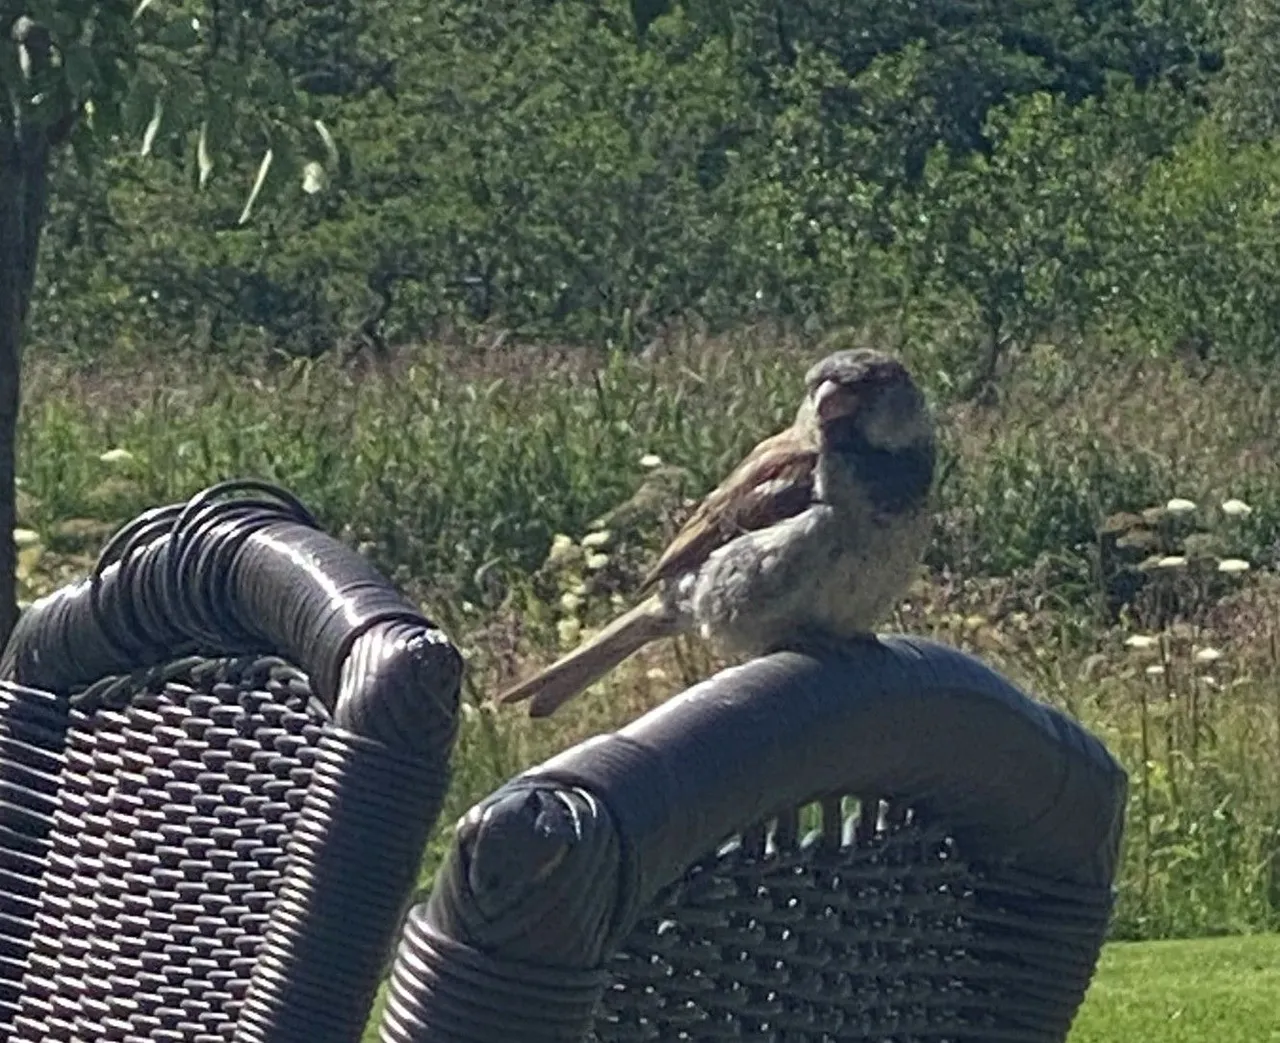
1171	561
1207	655
1234	508
570	602
568	631
116	456
595	562
561	549
1140	642
25	538
650	460
656	674
1178	505
596	539
313	178
1233	566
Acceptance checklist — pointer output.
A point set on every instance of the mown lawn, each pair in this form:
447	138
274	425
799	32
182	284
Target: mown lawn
1215	990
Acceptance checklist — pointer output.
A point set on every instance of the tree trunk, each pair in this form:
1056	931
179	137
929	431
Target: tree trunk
25	145
11	315
23	197
24	191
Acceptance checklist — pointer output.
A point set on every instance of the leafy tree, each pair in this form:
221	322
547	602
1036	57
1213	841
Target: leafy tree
1030	236
1204	250
104	74
1247	96
955	62
598	171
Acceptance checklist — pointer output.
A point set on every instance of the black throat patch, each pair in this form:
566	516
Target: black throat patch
895	481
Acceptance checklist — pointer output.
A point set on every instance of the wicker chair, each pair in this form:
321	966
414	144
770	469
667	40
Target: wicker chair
219	761
886	844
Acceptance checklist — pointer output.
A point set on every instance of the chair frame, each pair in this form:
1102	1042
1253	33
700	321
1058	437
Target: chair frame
103	687
578	899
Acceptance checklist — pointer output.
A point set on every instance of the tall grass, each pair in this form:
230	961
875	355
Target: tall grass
454	472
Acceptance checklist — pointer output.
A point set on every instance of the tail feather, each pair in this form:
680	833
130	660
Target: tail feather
551	688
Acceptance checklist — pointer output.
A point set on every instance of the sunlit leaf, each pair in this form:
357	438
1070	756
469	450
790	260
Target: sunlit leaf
153	126
330	146
203	160
28	562
259	180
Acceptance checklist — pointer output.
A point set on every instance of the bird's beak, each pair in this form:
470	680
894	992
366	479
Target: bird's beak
833	401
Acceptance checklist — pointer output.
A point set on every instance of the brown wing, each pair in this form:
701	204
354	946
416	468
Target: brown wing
774	482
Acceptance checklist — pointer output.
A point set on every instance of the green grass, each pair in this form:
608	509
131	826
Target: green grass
1216	990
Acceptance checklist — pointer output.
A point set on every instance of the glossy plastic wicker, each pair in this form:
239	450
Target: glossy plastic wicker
219	762
889	845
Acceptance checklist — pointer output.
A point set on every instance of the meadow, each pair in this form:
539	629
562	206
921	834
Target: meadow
1106	534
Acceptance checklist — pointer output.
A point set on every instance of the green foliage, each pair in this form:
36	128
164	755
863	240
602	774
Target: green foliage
159	79
1204	249
611	172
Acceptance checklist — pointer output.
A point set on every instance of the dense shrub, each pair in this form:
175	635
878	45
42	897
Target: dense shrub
608	172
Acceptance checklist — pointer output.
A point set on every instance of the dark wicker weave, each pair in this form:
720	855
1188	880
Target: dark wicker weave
580	901
219	762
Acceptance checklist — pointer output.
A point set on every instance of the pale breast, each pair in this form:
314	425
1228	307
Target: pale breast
837	574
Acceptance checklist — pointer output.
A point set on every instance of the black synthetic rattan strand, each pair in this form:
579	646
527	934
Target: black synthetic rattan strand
168	906
32	729
894	939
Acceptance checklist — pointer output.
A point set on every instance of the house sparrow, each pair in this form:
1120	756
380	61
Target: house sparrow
812	538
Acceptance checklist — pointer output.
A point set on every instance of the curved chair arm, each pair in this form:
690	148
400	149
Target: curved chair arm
549	876
226	574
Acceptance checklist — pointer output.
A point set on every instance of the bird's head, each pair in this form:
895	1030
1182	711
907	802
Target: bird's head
867	397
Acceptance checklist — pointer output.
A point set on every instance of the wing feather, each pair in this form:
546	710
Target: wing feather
773	483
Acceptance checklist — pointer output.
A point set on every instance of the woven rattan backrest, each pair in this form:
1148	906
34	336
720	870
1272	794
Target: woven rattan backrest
872	926
596	897
216	846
